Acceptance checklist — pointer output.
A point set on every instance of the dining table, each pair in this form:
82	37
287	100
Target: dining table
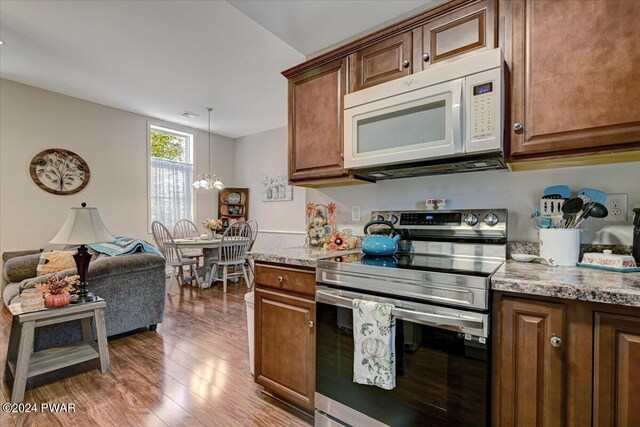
210	249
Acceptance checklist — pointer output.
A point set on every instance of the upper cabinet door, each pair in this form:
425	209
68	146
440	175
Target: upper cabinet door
574	74
315	123
384	61
616	370
462	32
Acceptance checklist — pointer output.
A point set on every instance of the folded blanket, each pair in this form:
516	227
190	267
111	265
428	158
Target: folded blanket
125	245
374	361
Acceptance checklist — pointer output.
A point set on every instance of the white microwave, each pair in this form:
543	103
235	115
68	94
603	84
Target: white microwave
451	111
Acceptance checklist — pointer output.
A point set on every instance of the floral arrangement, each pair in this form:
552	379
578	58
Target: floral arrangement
212	224
56	286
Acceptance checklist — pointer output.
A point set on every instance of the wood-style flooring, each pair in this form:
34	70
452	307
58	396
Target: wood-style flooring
193	371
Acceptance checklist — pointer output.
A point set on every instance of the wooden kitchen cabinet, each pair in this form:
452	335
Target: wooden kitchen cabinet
459	33
591	376
381	62
285	343
573	69
616	370
316	123
531	376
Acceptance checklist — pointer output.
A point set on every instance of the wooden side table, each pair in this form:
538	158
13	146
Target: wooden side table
23	362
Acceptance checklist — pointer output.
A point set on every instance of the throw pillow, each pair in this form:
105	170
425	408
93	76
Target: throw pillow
54	261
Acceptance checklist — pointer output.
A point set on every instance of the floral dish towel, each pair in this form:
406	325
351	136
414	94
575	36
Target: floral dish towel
374	330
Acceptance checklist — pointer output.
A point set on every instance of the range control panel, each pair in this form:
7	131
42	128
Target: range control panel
464	222
431	218
483	123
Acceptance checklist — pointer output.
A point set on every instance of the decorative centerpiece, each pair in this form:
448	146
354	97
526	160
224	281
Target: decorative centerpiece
56	291
320	223
31	300
212	226
340	241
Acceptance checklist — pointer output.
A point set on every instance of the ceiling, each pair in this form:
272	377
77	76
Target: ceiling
312	26
160	58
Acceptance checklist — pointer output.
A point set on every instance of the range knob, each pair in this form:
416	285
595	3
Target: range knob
379	218
491	220
393	219
471	219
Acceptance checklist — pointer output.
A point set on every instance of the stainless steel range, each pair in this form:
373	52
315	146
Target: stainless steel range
439	284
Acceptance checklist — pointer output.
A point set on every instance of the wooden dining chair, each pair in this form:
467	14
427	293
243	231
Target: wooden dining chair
185	229
232	253
172	255
253	225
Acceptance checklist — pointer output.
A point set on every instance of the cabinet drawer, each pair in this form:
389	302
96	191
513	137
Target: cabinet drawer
286	279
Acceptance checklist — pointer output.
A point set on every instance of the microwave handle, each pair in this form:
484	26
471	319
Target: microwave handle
430	319
456	115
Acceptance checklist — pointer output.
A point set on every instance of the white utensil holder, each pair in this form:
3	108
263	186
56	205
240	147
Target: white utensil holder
562	245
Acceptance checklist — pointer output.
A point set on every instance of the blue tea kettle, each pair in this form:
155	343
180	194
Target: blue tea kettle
379	245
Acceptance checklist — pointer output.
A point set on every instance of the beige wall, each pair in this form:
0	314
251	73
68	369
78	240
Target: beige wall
281	223
114	144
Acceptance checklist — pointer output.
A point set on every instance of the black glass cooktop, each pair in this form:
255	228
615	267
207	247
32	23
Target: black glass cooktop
436	263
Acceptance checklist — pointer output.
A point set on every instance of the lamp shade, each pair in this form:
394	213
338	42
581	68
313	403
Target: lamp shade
83	226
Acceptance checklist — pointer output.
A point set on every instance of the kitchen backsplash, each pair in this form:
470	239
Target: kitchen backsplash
516	191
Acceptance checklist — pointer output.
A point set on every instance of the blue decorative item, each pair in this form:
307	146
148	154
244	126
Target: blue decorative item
378	244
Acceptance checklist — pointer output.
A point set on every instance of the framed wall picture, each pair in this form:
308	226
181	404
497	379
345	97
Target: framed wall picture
59	171
276	188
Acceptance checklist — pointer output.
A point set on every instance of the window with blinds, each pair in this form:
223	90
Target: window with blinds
170	175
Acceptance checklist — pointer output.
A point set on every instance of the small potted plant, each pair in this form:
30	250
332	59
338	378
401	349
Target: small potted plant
56	291
212	225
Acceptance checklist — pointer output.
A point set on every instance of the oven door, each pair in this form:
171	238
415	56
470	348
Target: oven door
442	366
418	125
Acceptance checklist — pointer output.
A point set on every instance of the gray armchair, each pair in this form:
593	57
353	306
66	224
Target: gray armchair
134	287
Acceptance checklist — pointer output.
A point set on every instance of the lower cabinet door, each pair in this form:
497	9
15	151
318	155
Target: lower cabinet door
285	346
530	370
616	389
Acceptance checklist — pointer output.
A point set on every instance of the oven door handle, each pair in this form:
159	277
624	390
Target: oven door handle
410	315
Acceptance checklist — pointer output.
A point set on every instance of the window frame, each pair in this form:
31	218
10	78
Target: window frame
178	131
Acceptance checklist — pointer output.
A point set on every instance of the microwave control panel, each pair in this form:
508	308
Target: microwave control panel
482	111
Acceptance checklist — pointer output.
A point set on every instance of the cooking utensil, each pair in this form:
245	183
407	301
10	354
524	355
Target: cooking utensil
593	210
551	205
593	194
563	190
636	235
530	258
570	209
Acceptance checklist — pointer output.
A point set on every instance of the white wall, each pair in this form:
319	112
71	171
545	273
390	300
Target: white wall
281	224
114	144
516	191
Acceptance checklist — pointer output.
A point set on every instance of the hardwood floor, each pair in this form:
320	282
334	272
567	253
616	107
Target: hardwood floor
193	371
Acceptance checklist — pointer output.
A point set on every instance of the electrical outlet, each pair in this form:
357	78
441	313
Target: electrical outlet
356	213
617	206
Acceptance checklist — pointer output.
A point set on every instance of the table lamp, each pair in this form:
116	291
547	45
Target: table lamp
83	226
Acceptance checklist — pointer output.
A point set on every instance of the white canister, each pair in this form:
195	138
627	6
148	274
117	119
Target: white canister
560	244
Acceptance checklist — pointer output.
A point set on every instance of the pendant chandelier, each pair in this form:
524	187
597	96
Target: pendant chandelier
208	181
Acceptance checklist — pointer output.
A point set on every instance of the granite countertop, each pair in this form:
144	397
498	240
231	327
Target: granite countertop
304	257
575	283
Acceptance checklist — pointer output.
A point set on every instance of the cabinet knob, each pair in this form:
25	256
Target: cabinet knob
518	127
280	279
556	341
311	323
406	63
425	57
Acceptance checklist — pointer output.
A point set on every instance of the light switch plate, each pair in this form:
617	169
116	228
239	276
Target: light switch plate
617	206
356	213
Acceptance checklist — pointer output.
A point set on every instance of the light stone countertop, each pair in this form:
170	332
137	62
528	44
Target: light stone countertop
298	256
576	283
